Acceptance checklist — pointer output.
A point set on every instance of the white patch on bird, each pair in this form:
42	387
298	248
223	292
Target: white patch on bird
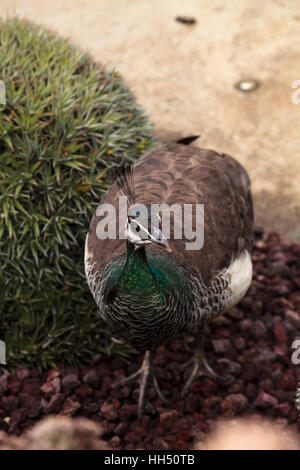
132	236
240	275
89	266
87	255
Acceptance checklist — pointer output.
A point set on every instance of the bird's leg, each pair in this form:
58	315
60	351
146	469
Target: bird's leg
199	365
142	377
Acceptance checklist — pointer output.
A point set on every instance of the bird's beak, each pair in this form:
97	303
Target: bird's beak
163	242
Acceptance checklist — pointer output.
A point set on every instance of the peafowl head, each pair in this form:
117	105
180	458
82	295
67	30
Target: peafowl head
143	223
143	227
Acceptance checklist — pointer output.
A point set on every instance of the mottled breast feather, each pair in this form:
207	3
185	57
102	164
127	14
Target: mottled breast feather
179	174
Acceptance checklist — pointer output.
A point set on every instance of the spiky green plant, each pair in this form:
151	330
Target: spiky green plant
67	121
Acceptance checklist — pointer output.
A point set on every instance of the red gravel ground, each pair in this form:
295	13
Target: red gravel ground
251	346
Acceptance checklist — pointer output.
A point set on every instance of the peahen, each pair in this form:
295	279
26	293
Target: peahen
148	286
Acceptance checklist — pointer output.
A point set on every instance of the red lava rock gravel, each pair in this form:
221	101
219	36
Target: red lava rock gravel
250	347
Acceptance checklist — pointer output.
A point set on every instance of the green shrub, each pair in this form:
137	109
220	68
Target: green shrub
66	123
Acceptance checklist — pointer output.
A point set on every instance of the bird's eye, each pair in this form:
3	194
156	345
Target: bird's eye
138	228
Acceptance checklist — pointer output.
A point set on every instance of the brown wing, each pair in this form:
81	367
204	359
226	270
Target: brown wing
178	174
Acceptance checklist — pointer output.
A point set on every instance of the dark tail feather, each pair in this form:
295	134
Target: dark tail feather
188	140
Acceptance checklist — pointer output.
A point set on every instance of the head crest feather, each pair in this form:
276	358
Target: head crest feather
125	182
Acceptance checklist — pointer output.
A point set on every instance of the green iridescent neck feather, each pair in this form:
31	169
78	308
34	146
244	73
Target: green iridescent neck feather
142	279
147	280
140	295
137	272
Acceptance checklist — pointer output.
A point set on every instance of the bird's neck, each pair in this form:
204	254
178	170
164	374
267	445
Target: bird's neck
137	274
149	283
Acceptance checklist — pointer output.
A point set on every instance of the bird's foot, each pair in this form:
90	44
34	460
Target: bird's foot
142	377
200	367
